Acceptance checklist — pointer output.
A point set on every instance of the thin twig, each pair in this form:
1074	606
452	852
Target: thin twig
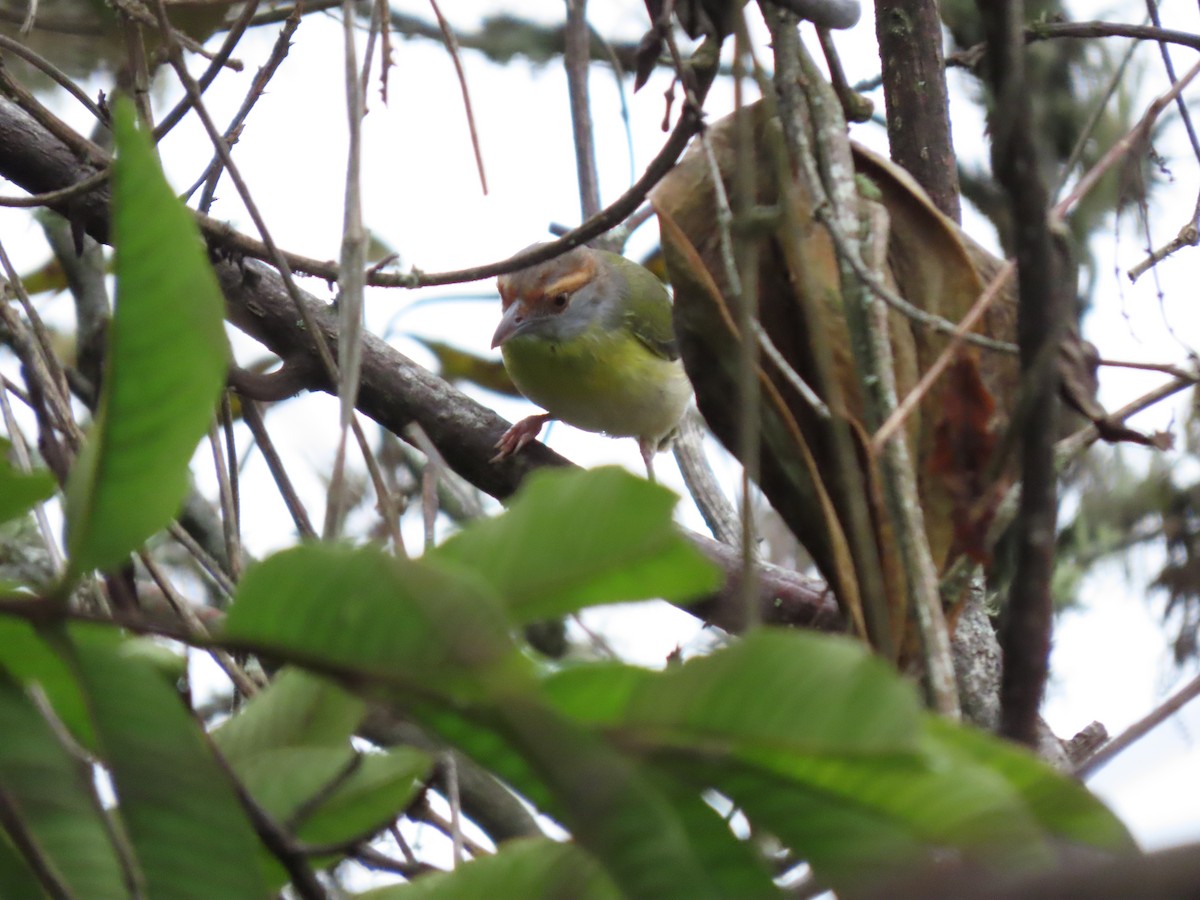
902	495
16	826
450	766
1074	444
576	59
55	74
51	198
1043	31
746	270
46	364
258	87
277	841
1133	138
243	682
914	397
891	298
232	36
253	419
136	12
1189	236
1165	368
385	504
207	564
1140	728
25	464
350	282
452	48
229	517
234	468
716	510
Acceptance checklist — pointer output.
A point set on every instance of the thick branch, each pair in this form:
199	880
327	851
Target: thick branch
914	91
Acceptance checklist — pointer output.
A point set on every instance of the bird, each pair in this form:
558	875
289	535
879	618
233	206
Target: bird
588	337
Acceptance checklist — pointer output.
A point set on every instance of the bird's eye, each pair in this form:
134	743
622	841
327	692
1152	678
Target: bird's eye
560	301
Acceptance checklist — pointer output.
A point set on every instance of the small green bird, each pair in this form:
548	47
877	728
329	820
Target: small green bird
588	337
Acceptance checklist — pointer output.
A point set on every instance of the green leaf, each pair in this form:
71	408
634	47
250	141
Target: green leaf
19	882
282	779
855	819
19	491
533	869
165	366
290	748
296	710
578	538
847	844
1062	805
52	794
794	692
363	613
376	791
28	659
492	750
190	834
654	836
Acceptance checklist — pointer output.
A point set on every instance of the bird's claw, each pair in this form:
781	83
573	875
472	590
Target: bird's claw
518	436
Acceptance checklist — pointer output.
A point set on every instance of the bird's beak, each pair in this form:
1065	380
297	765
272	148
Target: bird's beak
510	323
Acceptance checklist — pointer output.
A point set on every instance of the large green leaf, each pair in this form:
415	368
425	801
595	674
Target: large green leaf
165	365
191	837
534	869
28	659
296	710
578	538
282	779
374	793
1061	805
794	692
493	750
15	875
854	818
370	615
654	838
51	792
20	490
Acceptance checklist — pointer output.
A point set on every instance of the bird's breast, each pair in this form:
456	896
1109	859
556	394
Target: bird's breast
600	381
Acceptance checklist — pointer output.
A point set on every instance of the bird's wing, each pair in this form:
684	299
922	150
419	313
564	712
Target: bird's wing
648	313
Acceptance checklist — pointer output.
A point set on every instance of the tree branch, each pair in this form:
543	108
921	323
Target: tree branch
914	92
1025	633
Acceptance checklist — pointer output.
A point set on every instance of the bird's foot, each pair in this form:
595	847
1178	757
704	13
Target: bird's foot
648	448
519	435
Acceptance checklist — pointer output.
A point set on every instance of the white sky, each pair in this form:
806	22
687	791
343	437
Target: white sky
422	197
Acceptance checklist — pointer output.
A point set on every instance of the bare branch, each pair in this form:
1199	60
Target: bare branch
1025	634
914	91
1140	728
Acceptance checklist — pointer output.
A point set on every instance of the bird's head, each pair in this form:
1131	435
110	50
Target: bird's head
558	299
